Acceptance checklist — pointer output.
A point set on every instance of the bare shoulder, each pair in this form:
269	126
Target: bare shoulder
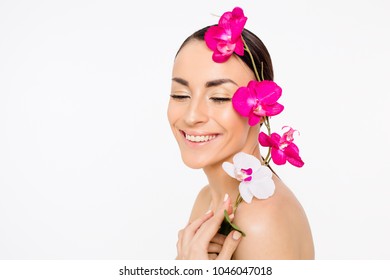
276	228
201	204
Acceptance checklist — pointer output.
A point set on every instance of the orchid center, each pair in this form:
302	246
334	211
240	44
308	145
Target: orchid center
283	145
257	109
243	174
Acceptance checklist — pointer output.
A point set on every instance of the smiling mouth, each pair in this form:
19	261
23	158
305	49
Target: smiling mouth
199	138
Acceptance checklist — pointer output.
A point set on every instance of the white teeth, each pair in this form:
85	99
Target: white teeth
199	138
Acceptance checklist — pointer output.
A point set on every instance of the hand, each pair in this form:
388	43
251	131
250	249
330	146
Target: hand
215	246
199	240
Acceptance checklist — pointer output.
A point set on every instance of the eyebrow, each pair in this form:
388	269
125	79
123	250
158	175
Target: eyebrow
219	82
209	84
181	81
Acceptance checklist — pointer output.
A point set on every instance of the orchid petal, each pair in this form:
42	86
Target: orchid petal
238	15
248	179
253	119
278	156
220	57
262	188
291	149
242	101
239	47
245	192
229	169
292	154
234	21
244	161
224	20
252	85
268	91
273	110
295	161
263	172
266	141
289	134
210	37
276	138
238	12
247	171
236	29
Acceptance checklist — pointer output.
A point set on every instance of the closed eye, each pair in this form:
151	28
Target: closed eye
179	97
220	99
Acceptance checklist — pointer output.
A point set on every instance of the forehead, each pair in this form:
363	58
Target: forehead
194	63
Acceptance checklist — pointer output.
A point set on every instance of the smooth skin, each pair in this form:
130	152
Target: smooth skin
200	105
198	240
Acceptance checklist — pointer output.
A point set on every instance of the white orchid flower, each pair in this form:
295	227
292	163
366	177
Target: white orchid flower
256	179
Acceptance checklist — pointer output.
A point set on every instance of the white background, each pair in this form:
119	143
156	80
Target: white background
89	168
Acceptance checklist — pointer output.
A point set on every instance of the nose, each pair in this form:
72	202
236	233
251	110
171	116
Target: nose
197	112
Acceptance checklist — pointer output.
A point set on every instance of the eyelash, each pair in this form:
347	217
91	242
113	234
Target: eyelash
221	99
179	97
215	99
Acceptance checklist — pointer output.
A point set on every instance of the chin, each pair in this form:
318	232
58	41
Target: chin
193	164
196	162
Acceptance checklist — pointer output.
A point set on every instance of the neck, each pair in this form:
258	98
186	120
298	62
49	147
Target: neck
220	183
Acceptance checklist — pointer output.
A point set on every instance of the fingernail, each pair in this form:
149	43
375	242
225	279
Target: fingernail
208	211
231	216
226	197
236	235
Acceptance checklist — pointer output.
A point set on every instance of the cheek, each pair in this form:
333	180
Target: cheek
236	128
233	122
172	113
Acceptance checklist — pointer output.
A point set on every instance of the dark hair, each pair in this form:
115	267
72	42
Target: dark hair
259	51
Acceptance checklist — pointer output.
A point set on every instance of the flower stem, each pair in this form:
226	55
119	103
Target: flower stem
238	201
267	158
262	71
253	62
267	125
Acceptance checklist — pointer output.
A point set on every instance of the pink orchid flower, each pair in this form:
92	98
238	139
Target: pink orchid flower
225	38
282	147
255	179
257	100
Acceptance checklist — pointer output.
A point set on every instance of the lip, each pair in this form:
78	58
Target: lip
207	137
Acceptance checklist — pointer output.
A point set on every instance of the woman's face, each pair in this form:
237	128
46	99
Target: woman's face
200	112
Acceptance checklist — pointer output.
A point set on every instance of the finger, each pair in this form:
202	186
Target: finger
230	245
189	231
214	248
210	227
213	256
198	222
218	238
179	240
229	208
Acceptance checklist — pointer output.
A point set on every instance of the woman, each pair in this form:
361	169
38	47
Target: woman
209	132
